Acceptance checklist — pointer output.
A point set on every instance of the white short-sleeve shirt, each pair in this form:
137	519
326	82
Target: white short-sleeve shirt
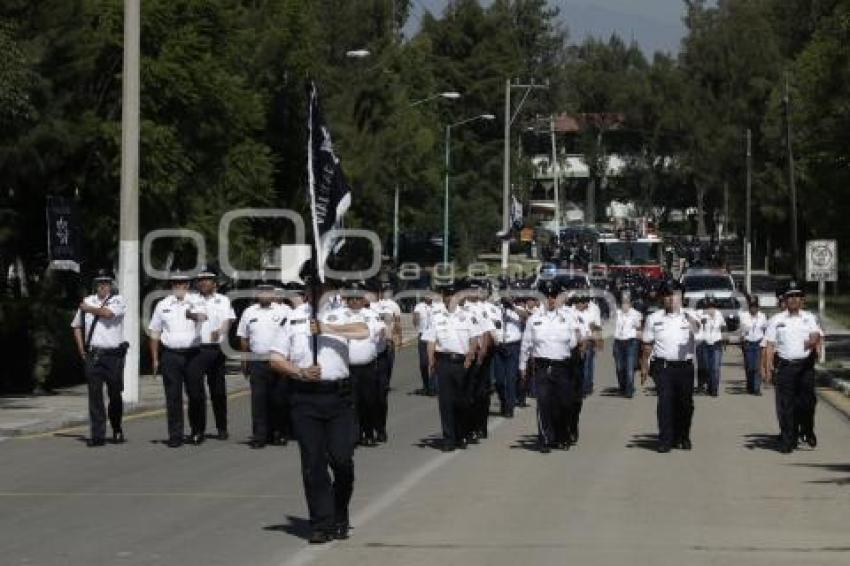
295	343
789	333
260	325
108	332
169	319
671	336
218	310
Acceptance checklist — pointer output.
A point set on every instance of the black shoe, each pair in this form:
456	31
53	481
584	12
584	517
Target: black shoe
95	442
382	436
483	434
197	439
421	392
685	444
284	440
118	437
257	444
508	414
811	439
544	449
663	448
574	437
448	447
43	391
174	443
564	445
320	537
223	435
341	531
757	393
786	448
463	443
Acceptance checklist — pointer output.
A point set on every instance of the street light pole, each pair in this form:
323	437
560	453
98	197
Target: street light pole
792	181
748	242
447	161
128	247
506	176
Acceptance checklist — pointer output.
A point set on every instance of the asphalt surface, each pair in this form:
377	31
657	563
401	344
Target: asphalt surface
610	500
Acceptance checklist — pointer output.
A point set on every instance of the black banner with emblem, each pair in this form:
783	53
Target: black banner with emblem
64	234
330	194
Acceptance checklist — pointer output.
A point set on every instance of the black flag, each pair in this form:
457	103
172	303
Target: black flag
330	195
63	234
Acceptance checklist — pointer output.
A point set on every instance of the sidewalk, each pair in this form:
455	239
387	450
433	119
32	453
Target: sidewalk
834	375
24	415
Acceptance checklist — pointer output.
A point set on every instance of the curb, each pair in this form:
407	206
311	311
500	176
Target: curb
69	423
834	391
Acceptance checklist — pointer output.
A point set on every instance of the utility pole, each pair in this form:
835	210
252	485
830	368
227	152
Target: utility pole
792	182
506	176
128	247
395	227
556	173
748	242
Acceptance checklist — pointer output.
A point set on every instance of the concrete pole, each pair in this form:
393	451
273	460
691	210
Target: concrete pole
128	248
446	202
395	227
748	233
556	173
506	181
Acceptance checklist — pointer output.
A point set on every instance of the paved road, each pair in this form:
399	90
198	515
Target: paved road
611	500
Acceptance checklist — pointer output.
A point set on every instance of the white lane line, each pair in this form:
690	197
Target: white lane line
310	553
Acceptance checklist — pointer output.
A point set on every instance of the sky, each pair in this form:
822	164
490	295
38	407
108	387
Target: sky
655	24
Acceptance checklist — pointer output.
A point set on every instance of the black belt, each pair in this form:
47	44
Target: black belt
106	351
785	362
453	358
674	363
210	346
336	386
753	342
191	350
367	364
546	362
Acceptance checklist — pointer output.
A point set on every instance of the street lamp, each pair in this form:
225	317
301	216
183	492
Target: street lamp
448	95
357	53
448	154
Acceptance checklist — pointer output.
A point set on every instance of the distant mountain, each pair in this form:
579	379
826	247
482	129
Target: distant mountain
655	24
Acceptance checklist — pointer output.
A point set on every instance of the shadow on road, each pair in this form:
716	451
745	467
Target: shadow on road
736	387
77	437
528	442
837	468
644	441
612	392
435	442
297	526
760	441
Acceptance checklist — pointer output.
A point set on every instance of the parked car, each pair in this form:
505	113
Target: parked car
717	283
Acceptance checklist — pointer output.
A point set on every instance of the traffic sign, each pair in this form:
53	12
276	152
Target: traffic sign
821	260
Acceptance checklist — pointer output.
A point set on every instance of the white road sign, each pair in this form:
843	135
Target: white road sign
821	260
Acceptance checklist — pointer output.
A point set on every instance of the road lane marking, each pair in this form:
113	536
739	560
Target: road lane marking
376	507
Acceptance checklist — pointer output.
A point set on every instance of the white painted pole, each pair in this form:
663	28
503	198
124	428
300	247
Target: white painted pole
506	181
556	171
128	247
748	275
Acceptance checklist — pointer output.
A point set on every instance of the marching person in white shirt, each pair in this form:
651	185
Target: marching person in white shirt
452	347
363	355
258	327
422	313
713	325
509	322
388	344
795	336
627	344
210	359
551	336
668	342
322	410
176	323
99	334
753	325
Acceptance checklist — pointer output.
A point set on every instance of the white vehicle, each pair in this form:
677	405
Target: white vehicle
699	284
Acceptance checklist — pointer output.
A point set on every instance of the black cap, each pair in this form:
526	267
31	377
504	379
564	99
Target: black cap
549	288
265	286
178	276
103	274
447	289
295	286
669	287
794	289
207	272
